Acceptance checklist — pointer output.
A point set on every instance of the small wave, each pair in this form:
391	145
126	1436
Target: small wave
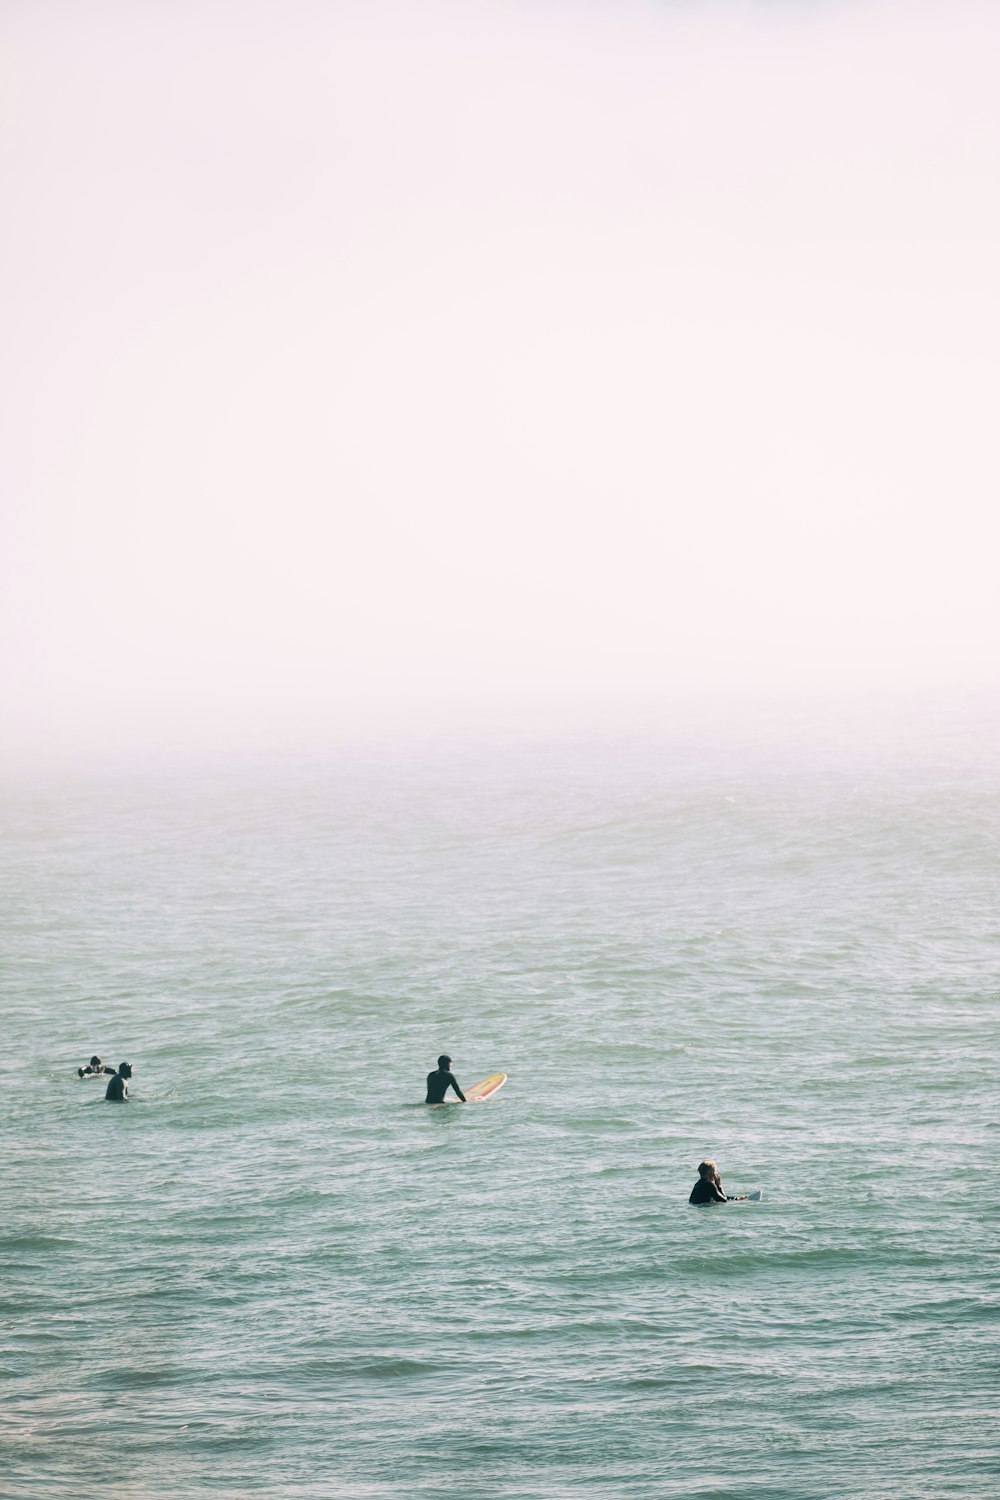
385	1367
10	1243
132	1377
812	1259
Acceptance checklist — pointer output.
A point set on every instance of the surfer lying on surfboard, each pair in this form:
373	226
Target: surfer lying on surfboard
708	1188
94	1067
439	1083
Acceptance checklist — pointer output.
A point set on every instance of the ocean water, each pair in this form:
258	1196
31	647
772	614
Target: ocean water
275	1273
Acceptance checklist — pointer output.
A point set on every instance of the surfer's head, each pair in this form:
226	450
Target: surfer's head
707	1170
95	1062
444	1063
125	1069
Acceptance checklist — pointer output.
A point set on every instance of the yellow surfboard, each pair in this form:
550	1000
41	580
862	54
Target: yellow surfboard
484	1088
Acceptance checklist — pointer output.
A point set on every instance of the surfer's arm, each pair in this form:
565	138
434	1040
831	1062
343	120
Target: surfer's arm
453	1081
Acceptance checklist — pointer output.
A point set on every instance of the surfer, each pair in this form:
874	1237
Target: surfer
439	1083
118	1087
94	1066
708	1188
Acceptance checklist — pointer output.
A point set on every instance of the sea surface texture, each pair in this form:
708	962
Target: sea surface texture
276	1273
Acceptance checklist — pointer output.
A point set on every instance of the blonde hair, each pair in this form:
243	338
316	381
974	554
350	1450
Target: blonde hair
707	1166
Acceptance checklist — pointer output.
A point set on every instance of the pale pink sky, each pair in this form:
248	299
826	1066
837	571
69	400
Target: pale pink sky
373	361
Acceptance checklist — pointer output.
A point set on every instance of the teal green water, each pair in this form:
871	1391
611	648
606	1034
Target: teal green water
275	1274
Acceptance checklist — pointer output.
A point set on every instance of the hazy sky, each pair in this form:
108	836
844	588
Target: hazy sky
374	363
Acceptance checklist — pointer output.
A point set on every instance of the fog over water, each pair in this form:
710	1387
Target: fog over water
498	556
381	368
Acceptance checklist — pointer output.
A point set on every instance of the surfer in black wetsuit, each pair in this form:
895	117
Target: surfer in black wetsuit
439	1083
118	1087
94	1066
708	1188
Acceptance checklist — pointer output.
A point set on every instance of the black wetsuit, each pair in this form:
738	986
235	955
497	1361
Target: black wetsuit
438	1084
117	1088
705	1191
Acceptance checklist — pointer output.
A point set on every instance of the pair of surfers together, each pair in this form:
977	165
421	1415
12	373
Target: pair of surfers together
708	1188
117	1089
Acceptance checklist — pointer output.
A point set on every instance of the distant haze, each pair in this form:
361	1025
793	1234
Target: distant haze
371	364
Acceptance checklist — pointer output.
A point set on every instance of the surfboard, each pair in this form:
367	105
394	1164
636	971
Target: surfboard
484	1089
755	1196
